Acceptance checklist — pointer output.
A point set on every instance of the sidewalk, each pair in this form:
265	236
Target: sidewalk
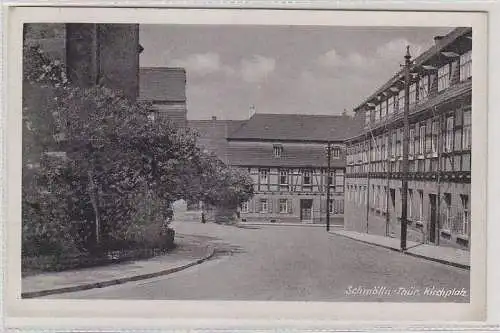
441	254
190	251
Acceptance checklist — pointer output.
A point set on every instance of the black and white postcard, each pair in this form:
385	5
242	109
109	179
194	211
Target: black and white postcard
230	164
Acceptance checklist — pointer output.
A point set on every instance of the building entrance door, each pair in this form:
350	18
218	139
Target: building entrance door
306	210
433	220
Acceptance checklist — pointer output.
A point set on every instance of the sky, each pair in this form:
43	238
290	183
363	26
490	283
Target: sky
280	69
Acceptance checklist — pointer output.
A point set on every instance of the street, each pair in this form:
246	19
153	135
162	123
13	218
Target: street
293	263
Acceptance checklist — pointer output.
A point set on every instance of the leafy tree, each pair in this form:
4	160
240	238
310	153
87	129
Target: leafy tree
123	170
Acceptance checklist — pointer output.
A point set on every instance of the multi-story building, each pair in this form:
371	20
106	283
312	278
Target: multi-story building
439	149
286	156
165	88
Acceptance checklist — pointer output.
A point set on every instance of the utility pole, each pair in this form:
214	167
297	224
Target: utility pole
406	134
329	157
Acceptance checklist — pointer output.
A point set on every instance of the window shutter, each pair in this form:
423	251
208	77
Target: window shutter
258	207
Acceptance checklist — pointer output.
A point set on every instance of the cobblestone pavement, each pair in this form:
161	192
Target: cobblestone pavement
282	263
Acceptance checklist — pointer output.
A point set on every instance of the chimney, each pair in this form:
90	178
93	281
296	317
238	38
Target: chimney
214	118
251	111
437	39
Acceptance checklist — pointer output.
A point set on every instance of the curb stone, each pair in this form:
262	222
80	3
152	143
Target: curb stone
278	224
113	282
441	261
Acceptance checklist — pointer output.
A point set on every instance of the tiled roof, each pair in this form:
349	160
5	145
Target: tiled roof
297	127
305	155
421	59
162	84
213	134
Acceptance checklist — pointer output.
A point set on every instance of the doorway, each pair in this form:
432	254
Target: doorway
306	210
433	218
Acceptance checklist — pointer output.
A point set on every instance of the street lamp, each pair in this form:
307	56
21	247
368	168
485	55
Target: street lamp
406	134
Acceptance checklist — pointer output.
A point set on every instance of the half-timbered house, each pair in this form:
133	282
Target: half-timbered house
439	149
286	156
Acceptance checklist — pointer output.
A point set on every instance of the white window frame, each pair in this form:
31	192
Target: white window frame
450	134
423	88
336	152
421	139
443	77
283	203
283	173
390	105
264	203
467	128
306	174
466	65
264	176
277	150
401	100
421	205
413	93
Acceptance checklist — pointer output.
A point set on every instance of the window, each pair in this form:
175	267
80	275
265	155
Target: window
367	117
330	178
421	205
449	134
421	149
306	177
278	150
383	111
465	215
283	177
377	112
413	93
264	176
390	106
466	66
263	206
283	205
244	207
434	140
401	100
443	77
412	141
336	152
466	137
447	211
423	88
393	144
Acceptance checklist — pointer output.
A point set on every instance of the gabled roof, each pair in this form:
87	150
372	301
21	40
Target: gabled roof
297	127
213	134
162	84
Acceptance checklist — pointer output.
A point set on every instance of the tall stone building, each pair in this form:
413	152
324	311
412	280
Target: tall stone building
439	149
106	54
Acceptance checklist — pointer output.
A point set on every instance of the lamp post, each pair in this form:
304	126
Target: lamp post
406	134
